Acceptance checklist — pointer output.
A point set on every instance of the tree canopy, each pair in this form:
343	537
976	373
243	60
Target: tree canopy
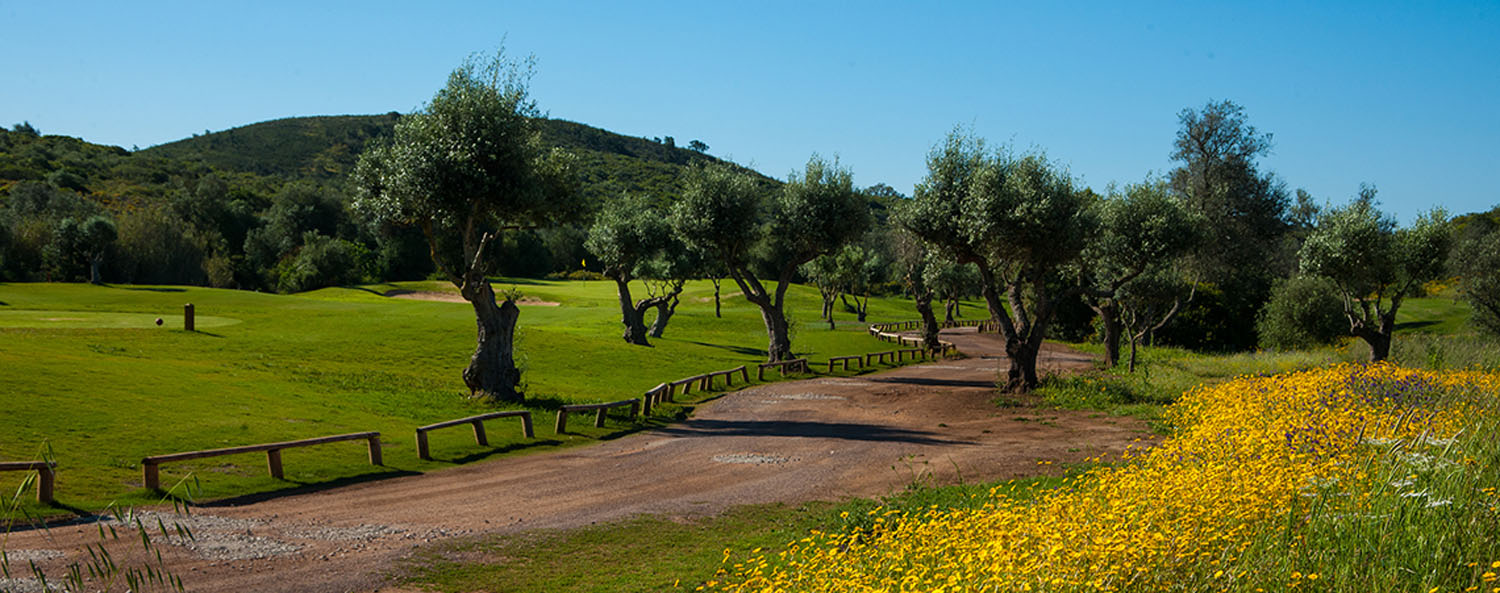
466	167
1374	265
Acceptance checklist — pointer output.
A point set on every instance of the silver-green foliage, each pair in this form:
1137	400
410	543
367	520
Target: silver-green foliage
1375	265
468	161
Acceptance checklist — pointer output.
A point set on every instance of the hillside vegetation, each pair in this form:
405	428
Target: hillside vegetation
265	206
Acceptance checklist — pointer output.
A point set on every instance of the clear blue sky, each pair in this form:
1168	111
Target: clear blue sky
1405	96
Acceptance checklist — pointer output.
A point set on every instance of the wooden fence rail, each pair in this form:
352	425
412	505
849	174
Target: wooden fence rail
478	422
562	413
857	358
151	472
46	476
783	366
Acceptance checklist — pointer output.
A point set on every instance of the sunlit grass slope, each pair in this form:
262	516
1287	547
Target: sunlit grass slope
88	378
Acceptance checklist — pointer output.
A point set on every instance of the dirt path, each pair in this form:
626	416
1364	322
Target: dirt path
817	439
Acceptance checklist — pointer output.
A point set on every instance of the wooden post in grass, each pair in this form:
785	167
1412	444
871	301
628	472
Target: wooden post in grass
187	317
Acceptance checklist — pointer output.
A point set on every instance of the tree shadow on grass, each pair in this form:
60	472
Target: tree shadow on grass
147	288
1410	325
300	488
758	352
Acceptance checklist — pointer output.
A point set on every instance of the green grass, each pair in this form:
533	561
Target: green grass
653	553
105	391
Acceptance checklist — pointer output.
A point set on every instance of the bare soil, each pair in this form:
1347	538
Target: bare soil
817	439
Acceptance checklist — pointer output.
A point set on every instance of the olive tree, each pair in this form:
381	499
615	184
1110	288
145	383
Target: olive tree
1018	221
814	213
465	168
1375	265
914	262
1026	216
1144	229
625	235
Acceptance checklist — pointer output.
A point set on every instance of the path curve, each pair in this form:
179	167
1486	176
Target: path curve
795	441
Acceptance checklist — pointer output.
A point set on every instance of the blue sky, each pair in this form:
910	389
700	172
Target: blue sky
1403	96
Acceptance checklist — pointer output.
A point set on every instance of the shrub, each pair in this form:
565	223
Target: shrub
321	262
1303	312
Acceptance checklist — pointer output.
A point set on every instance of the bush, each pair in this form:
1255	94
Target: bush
1303	312
321	262
1478	262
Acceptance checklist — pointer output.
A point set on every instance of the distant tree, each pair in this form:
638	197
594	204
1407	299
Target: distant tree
669	141
881	190
665	276
698	145
824	273
1150	301
465	168
64	257
98	235
1243	208
914	260
815	213
26	128
1140	230
950	282
626	234
1477	261
859	269
1375	265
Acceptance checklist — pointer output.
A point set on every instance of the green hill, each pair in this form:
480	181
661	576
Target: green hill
325	148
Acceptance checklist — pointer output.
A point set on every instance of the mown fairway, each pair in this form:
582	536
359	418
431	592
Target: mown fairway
90	380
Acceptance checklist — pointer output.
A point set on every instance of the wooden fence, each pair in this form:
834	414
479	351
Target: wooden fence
562	413
783	366
478	423
150	465
45	476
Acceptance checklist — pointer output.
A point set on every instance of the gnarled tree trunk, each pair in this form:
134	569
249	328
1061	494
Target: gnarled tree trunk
717	312
1109	316
665	308
631	315
929	321
779	339
950	306
492	371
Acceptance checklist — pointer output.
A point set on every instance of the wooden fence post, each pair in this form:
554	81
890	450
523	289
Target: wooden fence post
187	317
151	476
273	462
375	456
479	435
44	484
562	421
